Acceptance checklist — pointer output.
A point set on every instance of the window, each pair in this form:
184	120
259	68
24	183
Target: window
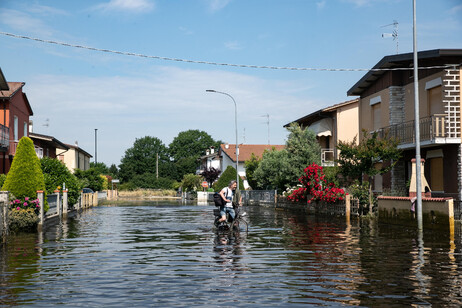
25	129
15	127
435	101
436	174
376	117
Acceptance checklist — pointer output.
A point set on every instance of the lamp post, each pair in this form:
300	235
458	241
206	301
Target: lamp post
96	155
235	124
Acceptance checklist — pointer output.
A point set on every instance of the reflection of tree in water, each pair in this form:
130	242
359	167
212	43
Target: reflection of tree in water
18	263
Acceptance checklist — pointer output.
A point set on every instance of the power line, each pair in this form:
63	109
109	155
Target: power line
124	53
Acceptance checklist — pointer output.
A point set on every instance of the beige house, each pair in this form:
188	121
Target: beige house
75	158
386	105
331	125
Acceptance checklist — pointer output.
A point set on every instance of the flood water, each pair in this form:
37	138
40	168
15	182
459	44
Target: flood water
160	254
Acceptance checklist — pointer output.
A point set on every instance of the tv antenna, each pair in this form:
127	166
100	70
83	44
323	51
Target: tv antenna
47	125
394	34
267	123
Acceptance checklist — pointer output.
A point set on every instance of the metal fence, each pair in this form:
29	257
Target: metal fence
53	204
259	196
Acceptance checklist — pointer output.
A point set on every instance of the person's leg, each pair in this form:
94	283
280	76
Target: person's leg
232	214
222	214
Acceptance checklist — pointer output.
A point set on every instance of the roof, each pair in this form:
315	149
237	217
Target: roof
49	140
322	112
13	88
3	84
76	147
246	150
452	56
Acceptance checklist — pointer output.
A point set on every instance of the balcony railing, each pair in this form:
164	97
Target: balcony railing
327	157
14	145
431	129
4	136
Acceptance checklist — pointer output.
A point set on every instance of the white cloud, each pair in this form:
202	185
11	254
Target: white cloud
321	4
44	10
233	45
137	6
216	5
21	21
161	103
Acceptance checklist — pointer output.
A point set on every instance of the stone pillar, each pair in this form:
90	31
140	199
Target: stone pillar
398	178
42	210
65	203
4	207
347	207
397	102
58	203
451	101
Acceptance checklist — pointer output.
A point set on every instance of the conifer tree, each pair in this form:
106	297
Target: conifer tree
25	177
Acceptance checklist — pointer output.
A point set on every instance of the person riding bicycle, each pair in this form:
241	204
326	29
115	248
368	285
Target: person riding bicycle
230	195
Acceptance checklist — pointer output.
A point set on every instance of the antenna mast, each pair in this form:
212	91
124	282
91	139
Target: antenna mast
394	35
267	122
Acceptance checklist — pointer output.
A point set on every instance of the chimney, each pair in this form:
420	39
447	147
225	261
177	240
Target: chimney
226	146
31	126
76	143
212	150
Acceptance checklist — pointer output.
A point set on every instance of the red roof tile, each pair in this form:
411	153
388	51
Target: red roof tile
246	150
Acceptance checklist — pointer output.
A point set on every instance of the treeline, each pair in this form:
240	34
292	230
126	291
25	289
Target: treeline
149	163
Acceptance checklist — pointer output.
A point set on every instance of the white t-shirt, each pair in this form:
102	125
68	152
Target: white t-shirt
228	193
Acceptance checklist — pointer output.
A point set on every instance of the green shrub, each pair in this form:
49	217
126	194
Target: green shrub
56	175
227	176
22	220
25	177
2	179
149	180
90	178
191	182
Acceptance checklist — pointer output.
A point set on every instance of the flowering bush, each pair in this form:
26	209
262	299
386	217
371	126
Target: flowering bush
22	220
25	204
315	185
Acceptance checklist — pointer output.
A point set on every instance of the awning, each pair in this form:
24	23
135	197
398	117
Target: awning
322	127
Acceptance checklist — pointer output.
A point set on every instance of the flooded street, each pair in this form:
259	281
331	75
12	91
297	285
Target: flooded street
160	254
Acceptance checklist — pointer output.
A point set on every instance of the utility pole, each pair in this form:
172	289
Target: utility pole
157	165
96	146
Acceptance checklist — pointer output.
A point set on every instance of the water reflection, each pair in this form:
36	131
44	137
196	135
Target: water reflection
166	254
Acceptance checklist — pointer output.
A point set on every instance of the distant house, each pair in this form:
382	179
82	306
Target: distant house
227	154
15	111
48	145
75	157
331	125
211	159
386	106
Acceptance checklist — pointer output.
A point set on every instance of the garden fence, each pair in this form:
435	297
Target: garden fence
259	196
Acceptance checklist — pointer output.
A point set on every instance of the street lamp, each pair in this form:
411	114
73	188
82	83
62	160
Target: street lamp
235	124
96	155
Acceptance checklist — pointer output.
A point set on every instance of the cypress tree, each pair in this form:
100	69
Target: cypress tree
25	176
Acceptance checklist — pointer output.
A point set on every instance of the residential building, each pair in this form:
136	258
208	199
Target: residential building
331	125
211	159
15	111
386	105
227	154
75	157
48	145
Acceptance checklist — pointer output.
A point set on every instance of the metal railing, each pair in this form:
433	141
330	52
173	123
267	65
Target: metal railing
14	146
430	128
259	196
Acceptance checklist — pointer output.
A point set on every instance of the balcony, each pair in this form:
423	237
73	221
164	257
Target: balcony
4	137
14	145
327	157
433	130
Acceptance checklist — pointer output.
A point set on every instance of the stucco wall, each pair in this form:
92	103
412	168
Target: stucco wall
365	114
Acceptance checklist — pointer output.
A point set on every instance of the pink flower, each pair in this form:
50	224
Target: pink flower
18	208
25	204
26	198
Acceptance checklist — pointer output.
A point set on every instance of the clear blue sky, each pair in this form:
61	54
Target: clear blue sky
126	98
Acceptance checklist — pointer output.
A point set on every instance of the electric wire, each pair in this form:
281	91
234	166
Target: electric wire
125	53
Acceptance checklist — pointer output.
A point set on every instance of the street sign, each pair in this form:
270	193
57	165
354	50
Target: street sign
115	181
205	184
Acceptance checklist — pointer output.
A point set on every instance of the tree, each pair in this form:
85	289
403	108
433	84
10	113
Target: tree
211	174
371	156
90	178
281	169
251	166
227	176
101	167
191	182
187	147
113	171
56	174
142	158
25	177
